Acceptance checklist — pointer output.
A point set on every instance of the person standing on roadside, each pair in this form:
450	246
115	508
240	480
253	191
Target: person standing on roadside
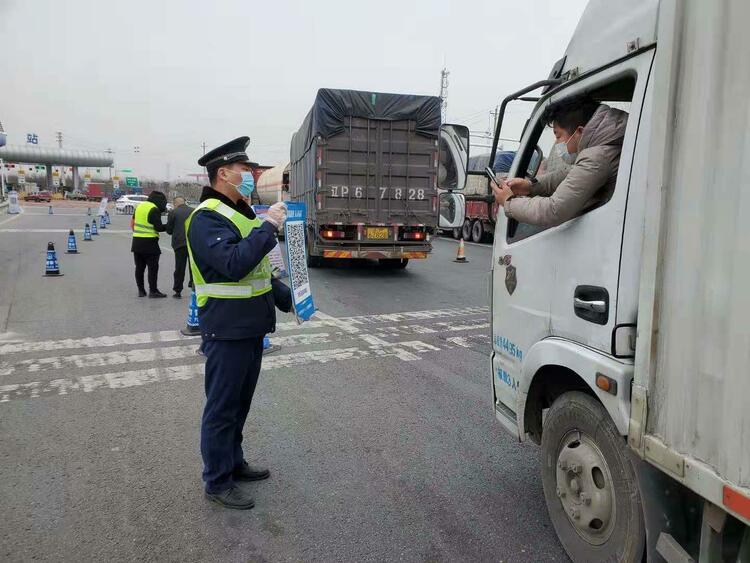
145	246
176	228
236	297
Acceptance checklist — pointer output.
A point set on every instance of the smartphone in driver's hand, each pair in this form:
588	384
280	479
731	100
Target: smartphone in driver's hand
491	175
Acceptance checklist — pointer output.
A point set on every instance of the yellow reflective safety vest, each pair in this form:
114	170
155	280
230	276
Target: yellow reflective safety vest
256	283
141	227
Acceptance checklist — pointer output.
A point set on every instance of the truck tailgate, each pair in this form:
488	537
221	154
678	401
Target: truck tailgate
377	172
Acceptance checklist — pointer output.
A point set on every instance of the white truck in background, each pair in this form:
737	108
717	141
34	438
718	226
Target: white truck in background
273	185
621	338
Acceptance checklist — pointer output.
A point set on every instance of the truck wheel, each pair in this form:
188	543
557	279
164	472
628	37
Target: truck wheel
312	261
477	231
466	230
589	484
128	210
457	233
395	263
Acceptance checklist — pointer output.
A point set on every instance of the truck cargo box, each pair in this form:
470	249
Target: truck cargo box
366	163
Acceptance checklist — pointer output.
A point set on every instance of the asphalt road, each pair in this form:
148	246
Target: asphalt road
376	420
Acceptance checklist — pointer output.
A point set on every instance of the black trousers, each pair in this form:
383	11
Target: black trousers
232	369
180	262
141	262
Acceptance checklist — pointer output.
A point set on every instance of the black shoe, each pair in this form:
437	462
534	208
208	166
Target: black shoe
234	498
157	293
247	472
177	295
142	293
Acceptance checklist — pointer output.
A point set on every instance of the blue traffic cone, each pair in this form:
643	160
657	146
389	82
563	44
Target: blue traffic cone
269	348
87	233
51	268
102	222
192	327
88	211
94	230
50	211
106	215
72	246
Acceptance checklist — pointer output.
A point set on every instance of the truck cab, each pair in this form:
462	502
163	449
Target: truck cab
575	360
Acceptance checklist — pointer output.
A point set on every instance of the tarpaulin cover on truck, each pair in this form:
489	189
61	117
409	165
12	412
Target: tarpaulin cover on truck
503	161
328	115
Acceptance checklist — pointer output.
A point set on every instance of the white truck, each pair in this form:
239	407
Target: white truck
621	338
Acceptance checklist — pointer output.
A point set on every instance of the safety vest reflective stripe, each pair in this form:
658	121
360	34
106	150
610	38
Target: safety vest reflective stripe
221	290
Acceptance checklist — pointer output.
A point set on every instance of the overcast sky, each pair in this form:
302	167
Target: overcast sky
167	75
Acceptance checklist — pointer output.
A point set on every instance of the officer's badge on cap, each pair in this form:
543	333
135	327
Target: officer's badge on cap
228	153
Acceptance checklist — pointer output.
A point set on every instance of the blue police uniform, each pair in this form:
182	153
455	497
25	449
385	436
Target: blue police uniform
232	329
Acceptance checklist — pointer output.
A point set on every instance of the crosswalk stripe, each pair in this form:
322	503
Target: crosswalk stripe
348	324
405	351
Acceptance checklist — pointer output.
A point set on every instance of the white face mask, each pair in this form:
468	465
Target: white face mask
564	153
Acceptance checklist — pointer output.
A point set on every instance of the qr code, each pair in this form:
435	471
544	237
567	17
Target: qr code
295	242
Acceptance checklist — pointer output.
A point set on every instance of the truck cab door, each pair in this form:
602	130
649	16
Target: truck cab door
561	282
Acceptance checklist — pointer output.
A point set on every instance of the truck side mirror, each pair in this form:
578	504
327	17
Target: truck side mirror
453	157
452	210
535	163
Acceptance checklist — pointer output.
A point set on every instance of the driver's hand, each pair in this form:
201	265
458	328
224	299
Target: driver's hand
519	186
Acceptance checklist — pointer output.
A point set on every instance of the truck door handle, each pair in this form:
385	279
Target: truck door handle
591	303
593	306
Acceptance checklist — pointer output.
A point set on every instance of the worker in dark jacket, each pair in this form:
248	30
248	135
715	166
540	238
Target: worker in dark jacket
176	227
236	295
145	246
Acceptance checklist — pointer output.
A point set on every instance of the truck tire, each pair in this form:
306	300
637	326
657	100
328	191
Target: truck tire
312	261
128	210
466	230
456	233
589	483
477	231
395	263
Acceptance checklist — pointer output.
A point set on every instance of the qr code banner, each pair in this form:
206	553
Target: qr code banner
294	230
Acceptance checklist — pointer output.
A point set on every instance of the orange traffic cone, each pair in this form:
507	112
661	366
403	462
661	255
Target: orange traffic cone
461	254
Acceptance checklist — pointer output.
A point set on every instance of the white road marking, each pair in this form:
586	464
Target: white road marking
142	355
13	218
136	378
92	342
345	323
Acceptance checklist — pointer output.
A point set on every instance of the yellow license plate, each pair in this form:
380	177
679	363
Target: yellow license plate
380	233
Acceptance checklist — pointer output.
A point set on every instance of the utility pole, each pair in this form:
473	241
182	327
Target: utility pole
493	121
109	151
59	137
444	94
204	154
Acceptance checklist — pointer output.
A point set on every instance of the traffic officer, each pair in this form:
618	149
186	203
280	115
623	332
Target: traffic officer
146	226
228	247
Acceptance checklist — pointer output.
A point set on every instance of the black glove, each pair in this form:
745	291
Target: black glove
282	295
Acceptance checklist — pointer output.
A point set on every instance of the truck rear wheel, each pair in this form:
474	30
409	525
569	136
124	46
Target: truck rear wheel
466	230
312	261
589	483
396	263
477	231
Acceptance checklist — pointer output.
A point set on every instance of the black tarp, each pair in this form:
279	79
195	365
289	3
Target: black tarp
331	108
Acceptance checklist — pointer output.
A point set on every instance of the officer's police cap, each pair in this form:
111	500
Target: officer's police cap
228	153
